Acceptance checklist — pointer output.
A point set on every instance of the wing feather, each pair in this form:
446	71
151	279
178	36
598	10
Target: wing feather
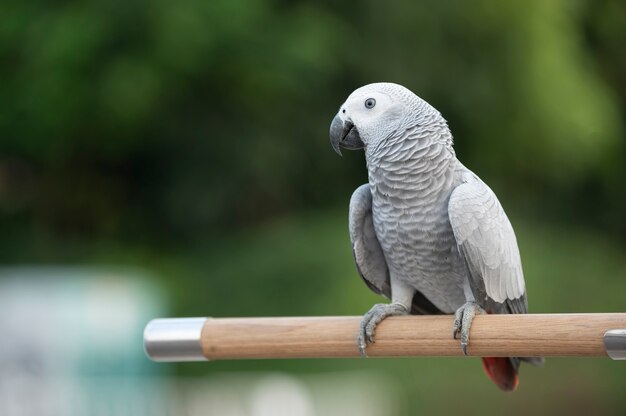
368	255
487	242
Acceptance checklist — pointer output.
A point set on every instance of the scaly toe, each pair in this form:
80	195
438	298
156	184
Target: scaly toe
370	329
360	341
463	322
372	318
458	316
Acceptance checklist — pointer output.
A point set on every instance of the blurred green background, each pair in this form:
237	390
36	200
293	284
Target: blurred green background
189	139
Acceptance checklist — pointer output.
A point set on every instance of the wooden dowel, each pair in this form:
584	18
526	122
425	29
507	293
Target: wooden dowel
491	335
194	339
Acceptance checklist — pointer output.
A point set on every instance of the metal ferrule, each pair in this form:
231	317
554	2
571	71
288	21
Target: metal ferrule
615	343
176	339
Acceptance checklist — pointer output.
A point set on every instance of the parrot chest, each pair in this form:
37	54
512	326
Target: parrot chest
415	234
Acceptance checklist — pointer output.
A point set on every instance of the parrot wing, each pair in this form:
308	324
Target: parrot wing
487	242
368	254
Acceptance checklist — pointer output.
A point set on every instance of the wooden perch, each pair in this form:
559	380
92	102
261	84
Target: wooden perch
193	339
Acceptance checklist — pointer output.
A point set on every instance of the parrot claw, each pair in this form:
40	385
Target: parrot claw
463	318
362	345
371	320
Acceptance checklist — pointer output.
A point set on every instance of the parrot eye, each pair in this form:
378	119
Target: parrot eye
370	103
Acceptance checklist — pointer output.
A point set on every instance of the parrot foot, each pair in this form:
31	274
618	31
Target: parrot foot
372	318
463	321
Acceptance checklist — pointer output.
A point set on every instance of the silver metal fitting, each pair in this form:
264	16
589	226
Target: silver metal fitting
174	339
615	343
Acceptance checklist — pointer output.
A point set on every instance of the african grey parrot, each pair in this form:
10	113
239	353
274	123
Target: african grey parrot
426	232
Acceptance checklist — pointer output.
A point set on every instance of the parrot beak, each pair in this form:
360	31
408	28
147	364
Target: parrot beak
344	134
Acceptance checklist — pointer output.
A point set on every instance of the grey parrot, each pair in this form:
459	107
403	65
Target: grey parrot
426	232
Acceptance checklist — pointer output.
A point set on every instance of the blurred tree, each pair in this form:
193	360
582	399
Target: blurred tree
169	119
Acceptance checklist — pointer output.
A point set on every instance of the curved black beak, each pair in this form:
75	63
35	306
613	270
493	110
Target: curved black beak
344	134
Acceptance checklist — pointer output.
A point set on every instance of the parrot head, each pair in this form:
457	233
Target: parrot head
375	112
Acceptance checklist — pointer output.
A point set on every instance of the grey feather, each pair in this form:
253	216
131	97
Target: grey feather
369	256
487	242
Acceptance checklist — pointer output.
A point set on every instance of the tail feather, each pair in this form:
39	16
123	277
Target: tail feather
502	371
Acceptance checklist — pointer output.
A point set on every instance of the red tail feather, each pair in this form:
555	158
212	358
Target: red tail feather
502	372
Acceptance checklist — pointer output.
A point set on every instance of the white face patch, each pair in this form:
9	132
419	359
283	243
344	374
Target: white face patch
371	111
360	112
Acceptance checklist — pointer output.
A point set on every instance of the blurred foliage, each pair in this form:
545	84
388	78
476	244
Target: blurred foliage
165	120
